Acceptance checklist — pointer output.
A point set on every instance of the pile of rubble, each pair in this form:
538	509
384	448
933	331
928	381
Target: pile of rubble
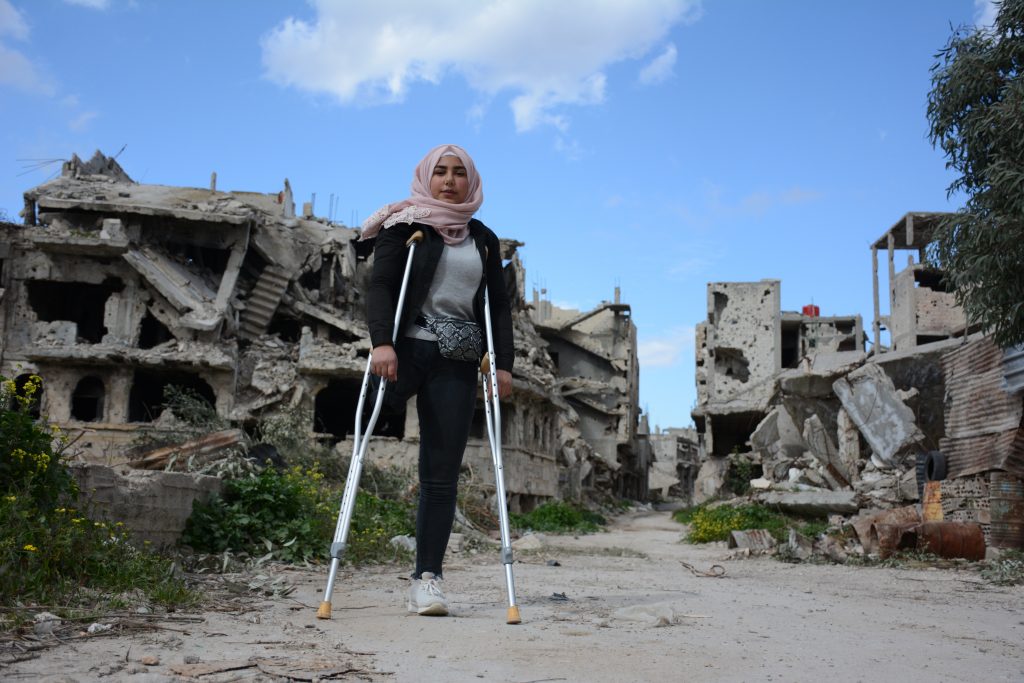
843	440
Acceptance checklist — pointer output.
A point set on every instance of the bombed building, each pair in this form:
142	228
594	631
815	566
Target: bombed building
594	354
114	291
929	427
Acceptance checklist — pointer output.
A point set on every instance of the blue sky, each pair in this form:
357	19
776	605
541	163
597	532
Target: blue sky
656	145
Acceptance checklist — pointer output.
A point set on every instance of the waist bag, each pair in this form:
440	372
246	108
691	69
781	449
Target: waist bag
456	339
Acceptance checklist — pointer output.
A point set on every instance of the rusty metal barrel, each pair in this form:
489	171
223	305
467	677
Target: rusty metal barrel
952	539
1006	496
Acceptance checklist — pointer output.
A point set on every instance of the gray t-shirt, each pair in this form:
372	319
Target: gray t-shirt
451	294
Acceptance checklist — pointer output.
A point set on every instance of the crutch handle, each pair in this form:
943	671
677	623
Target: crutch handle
485	364
416	237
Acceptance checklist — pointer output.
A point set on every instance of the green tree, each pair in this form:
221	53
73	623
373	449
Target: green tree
976	115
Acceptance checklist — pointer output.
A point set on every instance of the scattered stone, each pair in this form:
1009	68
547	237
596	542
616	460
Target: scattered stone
98	628
753	539
554	563
45	623
529	542
710	479
150	660
404	542
799	546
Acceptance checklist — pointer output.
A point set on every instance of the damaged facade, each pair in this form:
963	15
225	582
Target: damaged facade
114	290
594	355
823	426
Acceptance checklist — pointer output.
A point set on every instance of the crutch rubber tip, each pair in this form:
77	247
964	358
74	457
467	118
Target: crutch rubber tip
513	615
325	610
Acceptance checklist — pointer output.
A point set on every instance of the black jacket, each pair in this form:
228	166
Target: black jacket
389	258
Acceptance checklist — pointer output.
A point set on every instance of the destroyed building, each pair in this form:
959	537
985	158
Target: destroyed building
742	347
828	428
675	461
594	354
113	290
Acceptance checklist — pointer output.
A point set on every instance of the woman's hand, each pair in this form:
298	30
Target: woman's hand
384	363
504	383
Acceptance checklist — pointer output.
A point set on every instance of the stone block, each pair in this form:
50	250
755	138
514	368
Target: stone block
812	503
153	506
887	424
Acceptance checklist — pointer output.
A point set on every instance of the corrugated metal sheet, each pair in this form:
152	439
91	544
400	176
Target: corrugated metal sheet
983	421
976	454
976	402
1013	369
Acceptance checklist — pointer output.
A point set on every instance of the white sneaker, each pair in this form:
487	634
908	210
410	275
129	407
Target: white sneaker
426	597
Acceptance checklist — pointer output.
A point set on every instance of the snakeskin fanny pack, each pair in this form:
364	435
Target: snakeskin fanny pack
457	339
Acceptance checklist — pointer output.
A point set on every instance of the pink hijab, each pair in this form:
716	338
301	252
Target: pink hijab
450	221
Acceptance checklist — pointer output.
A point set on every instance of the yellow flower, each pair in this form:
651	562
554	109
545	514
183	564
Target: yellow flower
31	548
10	499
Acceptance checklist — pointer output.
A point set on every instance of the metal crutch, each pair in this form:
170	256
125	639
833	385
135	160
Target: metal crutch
488	370
360	442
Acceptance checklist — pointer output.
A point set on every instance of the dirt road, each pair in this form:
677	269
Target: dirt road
619	606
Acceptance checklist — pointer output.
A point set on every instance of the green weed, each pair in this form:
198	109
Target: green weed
715	524
292	515
558	517
51	552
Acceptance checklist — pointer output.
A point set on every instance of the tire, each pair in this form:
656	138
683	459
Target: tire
935	466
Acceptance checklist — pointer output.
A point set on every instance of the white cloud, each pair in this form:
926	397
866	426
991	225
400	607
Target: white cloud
660	68
545	55
12	24
82	120
663	352
985	13
569	148
17	71
91	4
759	202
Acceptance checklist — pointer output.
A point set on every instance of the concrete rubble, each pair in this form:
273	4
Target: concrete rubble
113	290
833	429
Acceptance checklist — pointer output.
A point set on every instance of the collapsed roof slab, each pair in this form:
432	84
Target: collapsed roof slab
189	295
171	355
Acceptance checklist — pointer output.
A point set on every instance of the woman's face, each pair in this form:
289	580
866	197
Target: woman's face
449	182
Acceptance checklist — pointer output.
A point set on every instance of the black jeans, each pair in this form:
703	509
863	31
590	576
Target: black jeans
446	393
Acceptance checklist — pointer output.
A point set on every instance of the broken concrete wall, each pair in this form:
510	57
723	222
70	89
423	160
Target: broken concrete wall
888	425
922	310
153	506
743	352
